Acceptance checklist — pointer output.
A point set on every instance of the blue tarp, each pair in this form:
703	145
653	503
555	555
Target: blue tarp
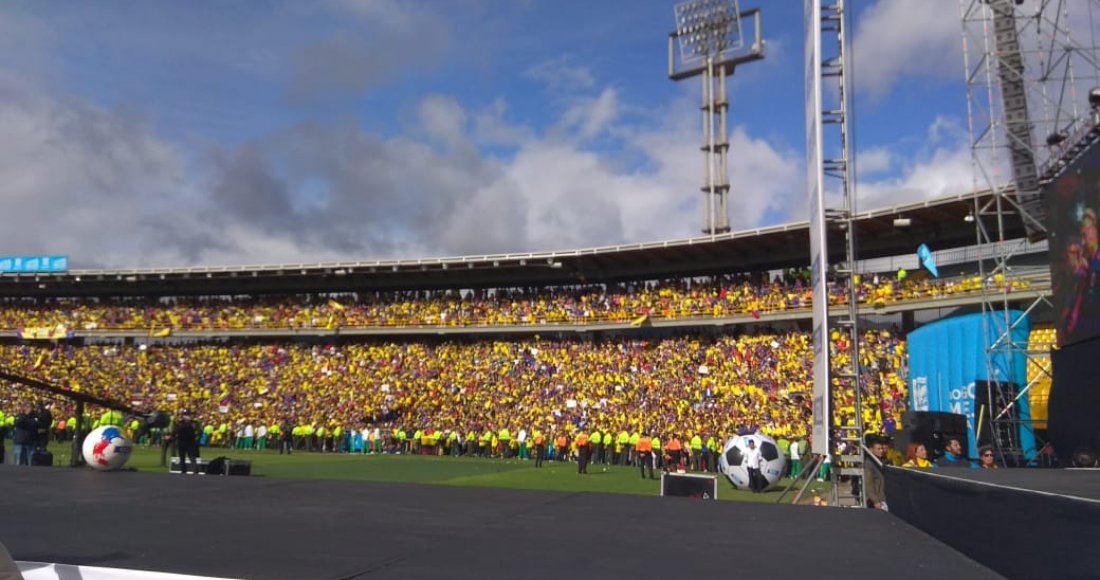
947	358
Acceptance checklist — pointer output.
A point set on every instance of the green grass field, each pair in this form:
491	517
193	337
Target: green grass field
460	471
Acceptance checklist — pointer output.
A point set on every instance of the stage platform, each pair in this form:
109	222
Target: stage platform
1029	524
1071	483
252	527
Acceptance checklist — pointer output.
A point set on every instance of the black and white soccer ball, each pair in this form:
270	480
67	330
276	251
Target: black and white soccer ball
731	462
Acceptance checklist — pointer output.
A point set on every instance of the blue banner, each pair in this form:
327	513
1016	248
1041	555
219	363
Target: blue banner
947	358
33	264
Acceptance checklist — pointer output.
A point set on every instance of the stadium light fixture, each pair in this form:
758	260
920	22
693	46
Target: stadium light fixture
902	222
711	36
969	218
708	28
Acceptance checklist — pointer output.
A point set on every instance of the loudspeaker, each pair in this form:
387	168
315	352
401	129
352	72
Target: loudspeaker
42	458
198	466
227	466
932	429
689	485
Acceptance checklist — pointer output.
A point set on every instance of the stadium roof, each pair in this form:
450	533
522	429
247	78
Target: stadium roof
941	223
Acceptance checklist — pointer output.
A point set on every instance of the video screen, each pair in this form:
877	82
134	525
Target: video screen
1073	204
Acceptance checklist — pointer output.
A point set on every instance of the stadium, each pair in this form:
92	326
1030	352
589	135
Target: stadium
487	415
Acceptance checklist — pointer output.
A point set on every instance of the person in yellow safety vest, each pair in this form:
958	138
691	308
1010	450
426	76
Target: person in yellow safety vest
505	438
208	434
644	449
452	443
540	447
633	455
338	443
296	437
597	446
417	441
471	443
319	438
621	452
608	447
657	457
402	442
583	452
711	447
483	443
223	435
133	428
494	444
111	417
696	446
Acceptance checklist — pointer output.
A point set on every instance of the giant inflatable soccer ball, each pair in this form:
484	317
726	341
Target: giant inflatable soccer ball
105	449
733	453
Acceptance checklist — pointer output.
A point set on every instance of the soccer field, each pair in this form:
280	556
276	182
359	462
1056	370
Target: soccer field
460	471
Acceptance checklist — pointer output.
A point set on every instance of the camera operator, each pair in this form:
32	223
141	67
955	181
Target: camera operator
45	421
186	438
25	435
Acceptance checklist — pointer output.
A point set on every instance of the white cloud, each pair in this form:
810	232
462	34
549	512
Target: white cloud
941	167
559	75
874	161
898	38
318	192
589	117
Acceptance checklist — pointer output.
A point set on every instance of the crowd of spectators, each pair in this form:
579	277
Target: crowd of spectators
724	296
697	385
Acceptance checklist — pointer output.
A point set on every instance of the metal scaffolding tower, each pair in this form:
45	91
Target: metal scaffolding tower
1028	66
838	378
712	44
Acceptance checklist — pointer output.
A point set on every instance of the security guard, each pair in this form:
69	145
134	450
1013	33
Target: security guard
540	448
583	452
644	449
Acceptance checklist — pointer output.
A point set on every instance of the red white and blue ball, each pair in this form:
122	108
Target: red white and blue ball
731	461
105	449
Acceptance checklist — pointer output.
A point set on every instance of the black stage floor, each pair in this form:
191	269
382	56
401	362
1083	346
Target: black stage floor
279	528
1075	483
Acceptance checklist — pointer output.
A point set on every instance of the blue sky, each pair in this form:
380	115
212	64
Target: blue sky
211	133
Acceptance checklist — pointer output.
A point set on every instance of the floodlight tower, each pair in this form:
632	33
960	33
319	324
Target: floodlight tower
712	44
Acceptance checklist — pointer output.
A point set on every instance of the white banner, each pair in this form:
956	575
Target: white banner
819	253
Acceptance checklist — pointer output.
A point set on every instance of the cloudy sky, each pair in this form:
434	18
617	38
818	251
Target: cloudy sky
138	134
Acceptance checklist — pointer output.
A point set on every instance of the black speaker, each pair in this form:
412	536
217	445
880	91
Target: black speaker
42	458
689	485
227	466
240	467
197	466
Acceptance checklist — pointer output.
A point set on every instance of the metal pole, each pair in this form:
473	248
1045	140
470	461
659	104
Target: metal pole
77	458
708	145
723	155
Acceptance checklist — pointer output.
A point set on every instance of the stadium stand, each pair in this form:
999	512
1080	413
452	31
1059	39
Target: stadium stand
677	299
